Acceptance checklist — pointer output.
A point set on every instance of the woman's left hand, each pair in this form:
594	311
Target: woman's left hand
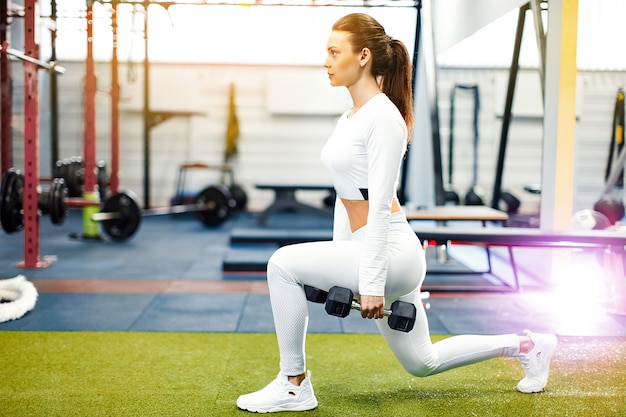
372	307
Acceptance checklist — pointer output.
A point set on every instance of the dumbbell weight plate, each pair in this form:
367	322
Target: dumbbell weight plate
240	196
56	202
402	316
214	204
102	179
315	295
11	216
339	301
74	180
127	216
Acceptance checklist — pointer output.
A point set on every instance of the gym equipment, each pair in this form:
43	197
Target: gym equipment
450	195
617	138
613	206
511	237
285	200
48	66
472	197
52	201
505	200
508	202
228	191
72	170
339	301
11	217
214	204
120	214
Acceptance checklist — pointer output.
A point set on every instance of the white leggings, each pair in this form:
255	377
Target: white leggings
325	264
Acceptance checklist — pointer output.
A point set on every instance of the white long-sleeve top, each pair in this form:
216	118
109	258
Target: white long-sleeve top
363	156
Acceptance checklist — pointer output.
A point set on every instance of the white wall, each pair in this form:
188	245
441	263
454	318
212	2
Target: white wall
285	148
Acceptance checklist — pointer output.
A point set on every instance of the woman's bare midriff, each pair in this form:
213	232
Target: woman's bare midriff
358	209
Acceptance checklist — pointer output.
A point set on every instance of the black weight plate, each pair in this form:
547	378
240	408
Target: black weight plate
214	204
125	205
509	203
74	177
103	179
11	216
56	201
240	196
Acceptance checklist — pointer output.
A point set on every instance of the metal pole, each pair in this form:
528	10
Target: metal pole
506	117
115	110
30	197
90	192
535	6
402	194
429	56
146	115
5	91
54	92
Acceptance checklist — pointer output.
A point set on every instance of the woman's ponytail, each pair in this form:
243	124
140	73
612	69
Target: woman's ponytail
397	82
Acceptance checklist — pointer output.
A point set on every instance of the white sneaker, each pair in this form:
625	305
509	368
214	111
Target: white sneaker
536	363
280	395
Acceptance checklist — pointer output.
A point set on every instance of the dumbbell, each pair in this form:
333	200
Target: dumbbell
338	302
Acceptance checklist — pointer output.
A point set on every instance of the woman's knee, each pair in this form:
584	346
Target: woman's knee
276	273
420	370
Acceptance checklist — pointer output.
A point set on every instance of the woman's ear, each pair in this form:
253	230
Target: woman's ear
366	54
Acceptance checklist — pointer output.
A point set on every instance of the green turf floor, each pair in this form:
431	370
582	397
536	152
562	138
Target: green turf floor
201	374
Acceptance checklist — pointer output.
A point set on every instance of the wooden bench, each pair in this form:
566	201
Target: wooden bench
611	242
444	214
285	199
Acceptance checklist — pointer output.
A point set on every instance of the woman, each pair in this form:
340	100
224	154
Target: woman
374	251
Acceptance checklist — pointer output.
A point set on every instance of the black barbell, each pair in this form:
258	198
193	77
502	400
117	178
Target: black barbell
120	213
52	202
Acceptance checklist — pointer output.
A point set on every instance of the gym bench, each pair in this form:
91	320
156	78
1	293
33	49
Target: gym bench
285	200
444	214
612	243
280	237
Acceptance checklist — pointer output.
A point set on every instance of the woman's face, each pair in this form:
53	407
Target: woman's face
342	64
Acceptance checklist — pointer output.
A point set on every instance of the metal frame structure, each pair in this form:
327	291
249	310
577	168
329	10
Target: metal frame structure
5	91
535	6
152	118
30	203
32	64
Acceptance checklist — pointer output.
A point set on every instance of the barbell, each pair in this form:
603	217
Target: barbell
120	213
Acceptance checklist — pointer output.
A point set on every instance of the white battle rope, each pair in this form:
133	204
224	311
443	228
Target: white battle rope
17	297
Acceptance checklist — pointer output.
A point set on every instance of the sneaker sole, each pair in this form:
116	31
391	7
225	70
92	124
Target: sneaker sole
300	407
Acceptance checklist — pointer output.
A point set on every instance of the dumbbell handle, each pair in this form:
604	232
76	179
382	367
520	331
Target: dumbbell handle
357	306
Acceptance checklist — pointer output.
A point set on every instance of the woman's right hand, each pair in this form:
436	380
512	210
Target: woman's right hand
372	306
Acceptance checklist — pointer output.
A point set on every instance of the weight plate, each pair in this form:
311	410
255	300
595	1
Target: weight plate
240	196
125	206
56	201
214	204
103	179
11	216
